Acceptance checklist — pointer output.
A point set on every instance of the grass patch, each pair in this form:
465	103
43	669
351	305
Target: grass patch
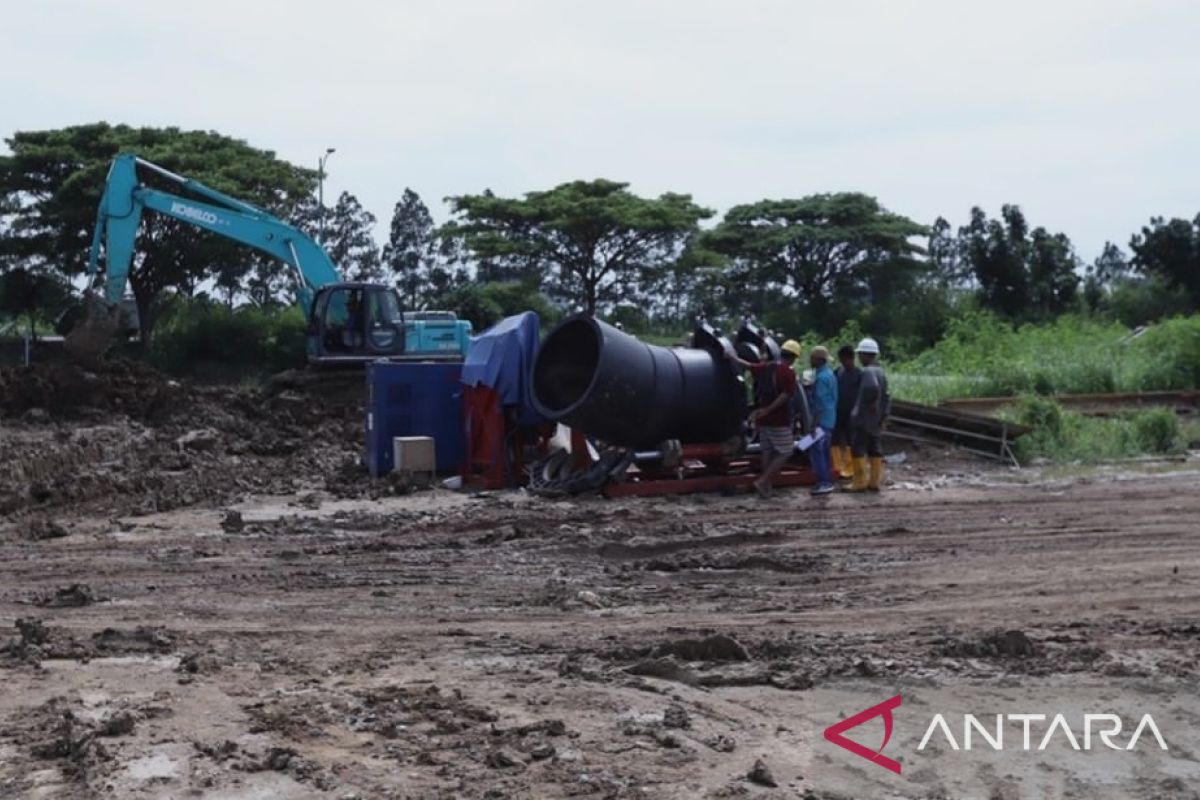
663	339
983	356
1062	436
1189	431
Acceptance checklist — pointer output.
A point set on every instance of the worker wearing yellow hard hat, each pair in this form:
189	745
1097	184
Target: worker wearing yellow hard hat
824	413
775	387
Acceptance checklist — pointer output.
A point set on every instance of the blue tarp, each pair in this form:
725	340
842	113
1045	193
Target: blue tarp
501	358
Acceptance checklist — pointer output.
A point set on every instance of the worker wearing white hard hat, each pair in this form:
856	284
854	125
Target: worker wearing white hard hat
848	376
870	411
868	346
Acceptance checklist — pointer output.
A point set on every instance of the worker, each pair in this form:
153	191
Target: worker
848	376
867	418
775	386
352	333
824	413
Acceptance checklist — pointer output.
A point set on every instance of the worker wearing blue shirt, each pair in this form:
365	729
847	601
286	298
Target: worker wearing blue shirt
825	402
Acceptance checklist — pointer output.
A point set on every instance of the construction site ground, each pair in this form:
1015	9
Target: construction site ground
201	595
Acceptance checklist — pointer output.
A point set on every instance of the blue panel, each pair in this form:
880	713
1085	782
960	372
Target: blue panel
414	399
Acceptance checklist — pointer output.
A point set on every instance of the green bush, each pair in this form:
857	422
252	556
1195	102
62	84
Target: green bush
632	318
1157	431
1045	416
1066	437
514	297
1166	356
1138	301
472	303
485	304
205	339
1048	421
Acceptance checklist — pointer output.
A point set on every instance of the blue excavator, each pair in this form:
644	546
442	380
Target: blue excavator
349	323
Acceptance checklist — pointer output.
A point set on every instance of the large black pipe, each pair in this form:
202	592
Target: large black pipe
615	388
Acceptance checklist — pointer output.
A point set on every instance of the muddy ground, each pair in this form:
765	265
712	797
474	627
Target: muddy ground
201	596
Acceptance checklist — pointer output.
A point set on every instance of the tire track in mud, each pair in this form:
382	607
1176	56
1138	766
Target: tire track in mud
560	607
621	550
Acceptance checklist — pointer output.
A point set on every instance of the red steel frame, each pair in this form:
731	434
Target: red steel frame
703	473
704	468
650	487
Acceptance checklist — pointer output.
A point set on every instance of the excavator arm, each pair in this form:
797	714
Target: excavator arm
348	323
125	198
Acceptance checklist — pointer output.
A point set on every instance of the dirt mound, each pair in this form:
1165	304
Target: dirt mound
139	442
995	644
68	391
73	596
55	732
717	647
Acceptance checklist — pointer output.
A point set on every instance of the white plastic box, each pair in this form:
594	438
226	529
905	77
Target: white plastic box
415	457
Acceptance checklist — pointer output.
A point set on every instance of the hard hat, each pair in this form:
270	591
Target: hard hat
820	351
793	347
868	345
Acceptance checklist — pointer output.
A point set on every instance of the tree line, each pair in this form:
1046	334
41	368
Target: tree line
811	263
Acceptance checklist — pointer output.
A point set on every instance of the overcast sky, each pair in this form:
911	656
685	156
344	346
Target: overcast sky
1083	112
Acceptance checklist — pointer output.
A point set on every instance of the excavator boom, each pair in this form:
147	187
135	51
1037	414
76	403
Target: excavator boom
348	322
125	198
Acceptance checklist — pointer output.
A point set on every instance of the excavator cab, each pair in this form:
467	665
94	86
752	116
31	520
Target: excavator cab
355	322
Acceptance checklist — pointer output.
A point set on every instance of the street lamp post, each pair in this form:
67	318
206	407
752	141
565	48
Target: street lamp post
321	189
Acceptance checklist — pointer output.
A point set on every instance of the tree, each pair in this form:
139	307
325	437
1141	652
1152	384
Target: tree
1170	250
470	302
945	254
591	244
33	294
698	284
1053	272
52	182
1102	276
1021	274
1111	265
823	248
347	234
995	249
266	285
411	251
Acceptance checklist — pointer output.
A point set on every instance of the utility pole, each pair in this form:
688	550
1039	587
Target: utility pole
321	190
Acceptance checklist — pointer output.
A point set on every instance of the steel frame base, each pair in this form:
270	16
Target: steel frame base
652	485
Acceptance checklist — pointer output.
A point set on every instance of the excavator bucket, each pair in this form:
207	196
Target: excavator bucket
91	337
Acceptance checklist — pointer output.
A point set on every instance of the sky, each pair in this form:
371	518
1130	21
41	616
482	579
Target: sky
1083	113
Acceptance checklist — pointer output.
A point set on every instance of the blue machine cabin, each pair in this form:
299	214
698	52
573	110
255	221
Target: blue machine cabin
414	399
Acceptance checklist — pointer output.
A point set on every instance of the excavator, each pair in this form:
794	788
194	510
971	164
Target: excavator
349	323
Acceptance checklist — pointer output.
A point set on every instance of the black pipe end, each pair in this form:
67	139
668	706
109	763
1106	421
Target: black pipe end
566	366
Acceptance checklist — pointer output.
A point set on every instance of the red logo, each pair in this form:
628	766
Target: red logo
834	733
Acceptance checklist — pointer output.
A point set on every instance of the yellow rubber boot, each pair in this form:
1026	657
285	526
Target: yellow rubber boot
860	475
836	455
847	471
875	483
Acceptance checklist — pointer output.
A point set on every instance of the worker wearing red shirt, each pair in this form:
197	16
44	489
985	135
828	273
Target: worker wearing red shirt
774	386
